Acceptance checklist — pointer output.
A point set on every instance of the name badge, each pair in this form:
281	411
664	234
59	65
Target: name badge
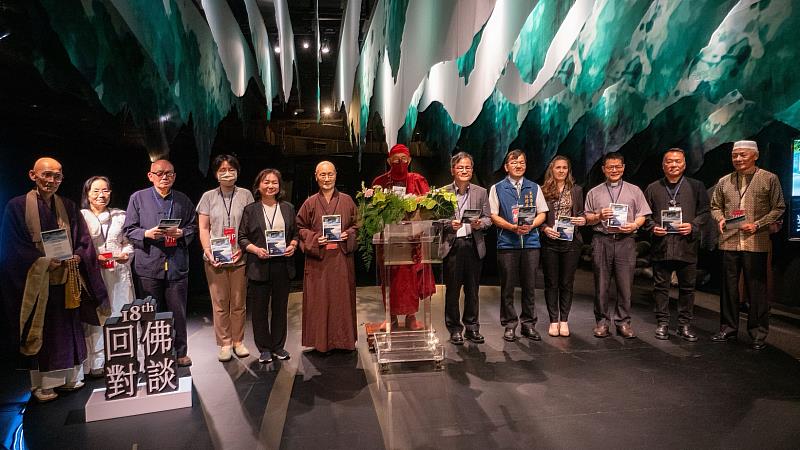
399	190
230	233
333	246
674	208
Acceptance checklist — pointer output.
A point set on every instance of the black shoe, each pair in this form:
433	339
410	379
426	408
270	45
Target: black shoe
724	336
474	336
685	333
758	344
281	354
456	338
531	333
265	358
662	331
509	335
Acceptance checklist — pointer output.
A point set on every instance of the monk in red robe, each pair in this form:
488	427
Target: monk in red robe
409	284
329	284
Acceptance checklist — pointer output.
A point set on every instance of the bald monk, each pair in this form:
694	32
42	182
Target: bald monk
329	285
409	284
42	308
161	256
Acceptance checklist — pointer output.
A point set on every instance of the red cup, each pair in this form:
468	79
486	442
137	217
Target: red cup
109	260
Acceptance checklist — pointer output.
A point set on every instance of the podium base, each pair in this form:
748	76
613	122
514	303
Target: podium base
407	346
98	408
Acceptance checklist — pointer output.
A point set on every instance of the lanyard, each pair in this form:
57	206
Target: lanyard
228	206
746	187
161	206
274	213
614	200
104	234
464	203
673	195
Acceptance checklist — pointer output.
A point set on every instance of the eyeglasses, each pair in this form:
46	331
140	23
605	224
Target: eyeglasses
162	174
96	192
620	167
516	163
463	168
56	176
329	175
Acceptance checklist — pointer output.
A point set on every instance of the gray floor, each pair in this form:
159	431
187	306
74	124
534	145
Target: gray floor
576	392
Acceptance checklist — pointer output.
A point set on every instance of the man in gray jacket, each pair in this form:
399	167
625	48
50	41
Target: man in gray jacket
463	249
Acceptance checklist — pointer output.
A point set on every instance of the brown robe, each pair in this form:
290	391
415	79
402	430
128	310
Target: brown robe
329	282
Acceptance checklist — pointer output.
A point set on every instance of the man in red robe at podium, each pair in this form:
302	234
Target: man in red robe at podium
409	284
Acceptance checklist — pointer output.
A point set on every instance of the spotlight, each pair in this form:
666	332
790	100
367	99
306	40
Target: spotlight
277	49
326	110
325	49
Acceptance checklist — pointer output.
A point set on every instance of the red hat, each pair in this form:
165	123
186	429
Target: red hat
399	148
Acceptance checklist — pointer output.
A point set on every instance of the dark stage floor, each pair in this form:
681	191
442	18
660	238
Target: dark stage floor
576	392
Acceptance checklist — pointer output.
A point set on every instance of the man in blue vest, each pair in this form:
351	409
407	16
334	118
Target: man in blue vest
518	208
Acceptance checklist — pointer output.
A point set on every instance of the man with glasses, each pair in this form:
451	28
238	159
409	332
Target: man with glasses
463	249
37	285
744	204
517	208
616	209
160	223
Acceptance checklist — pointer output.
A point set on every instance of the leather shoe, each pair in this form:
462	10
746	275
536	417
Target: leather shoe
474	336
758	344
456	338
626	331
509	335
685	333
724	336
662	331
601	331
184	361
531	333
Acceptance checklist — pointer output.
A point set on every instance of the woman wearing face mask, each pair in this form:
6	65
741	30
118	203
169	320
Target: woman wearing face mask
560	251
409	284
219	213
114	253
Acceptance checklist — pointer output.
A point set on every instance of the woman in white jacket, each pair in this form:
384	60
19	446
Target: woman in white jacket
115	254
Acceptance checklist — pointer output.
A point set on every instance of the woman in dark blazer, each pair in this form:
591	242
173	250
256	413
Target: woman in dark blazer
270	266
560	252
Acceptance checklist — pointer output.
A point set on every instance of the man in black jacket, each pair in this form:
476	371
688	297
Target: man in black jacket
680	208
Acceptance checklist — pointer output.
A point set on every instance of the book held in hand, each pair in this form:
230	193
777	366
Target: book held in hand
221	250
56	244
276	242
526	215
163	224
332	227
620	217
470	214
565	228
736	220
670	219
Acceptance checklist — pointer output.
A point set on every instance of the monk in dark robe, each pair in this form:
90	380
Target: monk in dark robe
409	284
39	293
329	284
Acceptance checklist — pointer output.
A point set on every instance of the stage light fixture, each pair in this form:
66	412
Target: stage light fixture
277	49
305	44
325	49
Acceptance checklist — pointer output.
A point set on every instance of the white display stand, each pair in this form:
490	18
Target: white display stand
98	408
403	244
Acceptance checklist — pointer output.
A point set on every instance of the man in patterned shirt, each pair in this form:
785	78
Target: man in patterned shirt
744	204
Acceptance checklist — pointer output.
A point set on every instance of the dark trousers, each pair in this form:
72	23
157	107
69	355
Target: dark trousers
462	267
269	331
613	257
517	267
559	263
171	296
753	266
662	278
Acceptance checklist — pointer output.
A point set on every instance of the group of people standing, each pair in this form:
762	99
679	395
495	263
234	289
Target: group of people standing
144	249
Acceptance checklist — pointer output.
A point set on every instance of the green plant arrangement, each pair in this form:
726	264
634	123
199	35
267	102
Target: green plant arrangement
378	206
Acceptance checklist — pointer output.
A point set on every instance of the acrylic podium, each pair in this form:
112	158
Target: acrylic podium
413	243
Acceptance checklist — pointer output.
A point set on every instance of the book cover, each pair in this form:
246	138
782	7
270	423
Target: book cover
56	244
565	228
221	250
526	215
470	214
332	227
163	224
276	242
670	219
620	217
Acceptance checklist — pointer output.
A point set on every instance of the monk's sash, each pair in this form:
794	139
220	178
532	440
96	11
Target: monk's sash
34	303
